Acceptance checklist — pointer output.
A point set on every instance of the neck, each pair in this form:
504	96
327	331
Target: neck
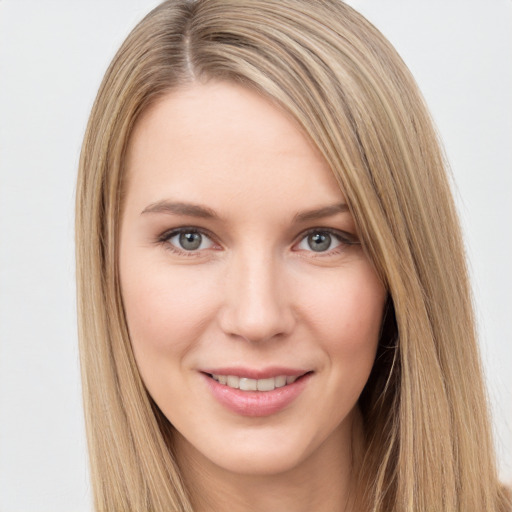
324	481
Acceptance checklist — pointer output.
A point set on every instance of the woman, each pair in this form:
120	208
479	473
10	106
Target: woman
274	304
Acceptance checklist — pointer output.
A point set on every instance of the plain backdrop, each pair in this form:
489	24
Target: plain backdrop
52	57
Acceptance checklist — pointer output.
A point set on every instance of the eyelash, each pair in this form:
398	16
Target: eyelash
165	238
345	240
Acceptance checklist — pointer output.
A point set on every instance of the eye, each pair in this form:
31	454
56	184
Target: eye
188	240
319	241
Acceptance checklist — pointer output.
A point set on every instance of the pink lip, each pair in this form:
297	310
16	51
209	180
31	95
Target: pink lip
256	403
249	373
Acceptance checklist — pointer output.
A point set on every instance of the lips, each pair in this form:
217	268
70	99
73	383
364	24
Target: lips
256	392
252	373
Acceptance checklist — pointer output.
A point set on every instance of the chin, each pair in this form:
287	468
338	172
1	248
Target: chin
256	453
263	463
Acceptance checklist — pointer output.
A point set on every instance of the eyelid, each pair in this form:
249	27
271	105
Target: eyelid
345	239
171	233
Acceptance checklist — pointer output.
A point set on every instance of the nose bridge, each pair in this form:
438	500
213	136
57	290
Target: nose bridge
256	304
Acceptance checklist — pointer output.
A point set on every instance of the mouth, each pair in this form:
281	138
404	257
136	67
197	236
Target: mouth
256	393
248	384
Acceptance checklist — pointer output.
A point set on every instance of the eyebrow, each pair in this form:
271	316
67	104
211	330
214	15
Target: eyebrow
203	212
177	208
320	213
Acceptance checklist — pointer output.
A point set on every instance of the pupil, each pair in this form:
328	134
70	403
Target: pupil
319	241
190	241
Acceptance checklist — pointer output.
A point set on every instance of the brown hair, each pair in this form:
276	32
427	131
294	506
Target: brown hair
428	441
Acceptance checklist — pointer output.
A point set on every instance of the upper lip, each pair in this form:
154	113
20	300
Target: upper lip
256	373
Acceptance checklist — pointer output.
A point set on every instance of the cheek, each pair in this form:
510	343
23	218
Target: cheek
166	308
346	314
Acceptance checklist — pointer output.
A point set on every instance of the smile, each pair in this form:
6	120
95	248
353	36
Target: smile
248	395
246	384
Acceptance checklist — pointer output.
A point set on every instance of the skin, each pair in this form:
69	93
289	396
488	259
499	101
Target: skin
254	294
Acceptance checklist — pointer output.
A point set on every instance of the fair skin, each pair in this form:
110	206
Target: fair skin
239	258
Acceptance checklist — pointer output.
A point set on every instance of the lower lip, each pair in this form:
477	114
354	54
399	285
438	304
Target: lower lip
256	403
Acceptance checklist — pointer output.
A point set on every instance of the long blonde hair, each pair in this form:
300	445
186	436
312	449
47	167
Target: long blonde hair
428	442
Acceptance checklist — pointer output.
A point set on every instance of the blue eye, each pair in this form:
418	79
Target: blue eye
189	240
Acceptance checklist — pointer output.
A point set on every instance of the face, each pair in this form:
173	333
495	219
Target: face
253	312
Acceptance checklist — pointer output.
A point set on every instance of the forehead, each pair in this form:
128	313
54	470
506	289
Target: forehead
223	140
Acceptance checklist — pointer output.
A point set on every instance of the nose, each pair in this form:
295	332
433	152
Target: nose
257	305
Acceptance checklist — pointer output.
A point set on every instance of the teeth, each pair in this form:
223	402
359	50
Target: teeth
280	381
248	384
266	384
233	381
245	384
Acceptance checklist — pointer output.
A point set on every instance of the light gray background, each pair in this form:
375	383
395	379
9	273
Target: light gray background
52	57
